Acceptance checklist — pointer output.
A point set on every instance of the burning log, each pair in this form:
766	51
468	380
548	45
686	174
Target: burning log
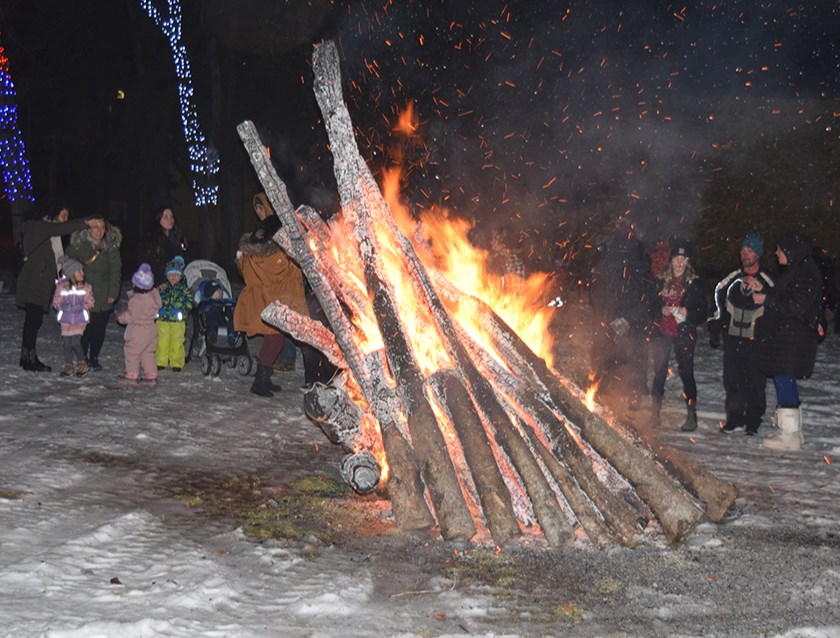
478	434
405	487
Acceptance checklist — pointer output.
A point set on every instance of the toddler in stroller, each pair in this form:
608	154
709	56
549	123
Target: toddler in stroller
214	339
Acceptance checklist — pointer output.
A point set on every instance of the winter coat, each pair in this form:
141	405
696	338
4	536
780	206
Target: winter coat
623	285
37	276
736	312
159	249
270	275
694	301
787	333
73	302
177	301
103	264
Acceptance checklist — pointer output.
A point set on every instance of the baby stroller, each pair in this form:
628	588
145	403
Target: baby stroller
213	338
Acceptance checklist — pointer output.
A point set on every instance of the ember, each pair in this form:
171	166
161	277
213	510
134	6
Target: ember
479	434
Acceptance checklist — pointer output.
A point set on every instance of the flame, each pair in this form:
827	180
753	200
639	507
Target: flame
590	393
407	124
441	242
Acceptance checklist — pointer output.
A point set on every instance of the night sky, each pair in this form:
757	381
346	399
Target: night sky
544	119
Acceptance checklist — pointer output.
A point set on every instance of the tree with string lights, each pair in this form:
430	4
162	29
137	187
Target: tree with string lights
14	165
203	158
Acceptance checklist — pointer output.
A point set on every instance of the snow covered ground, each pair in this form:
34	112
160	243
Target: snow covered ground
108	525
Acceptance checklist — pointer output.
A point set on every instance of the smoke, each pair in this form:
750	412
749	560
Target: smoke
547	120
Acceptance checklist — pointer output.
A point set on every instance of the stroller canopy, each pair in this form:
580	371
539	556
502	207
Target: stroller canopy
203	270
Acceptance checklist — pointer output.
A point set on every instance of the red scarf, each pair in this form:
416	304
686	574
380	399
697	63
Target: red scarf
672	297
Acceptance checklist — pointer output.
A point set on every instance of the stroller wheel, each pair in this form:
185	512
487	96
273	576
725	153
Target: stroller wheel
255	362
244	365
231	361
205	365
216	365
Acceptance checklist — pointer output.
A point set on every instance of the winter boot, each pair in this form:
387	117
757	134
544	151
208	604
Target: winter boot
788	436
32	363
262	381
24	358
690	423
656	411
271	385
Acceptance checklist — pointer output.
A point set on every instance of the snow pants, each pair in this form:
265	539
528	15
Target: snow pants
139	350
744	383
170	346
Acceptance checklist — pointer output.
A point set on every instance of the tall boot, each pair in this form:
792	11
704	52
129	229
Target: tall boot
37	366
262	382
29	361
690	423
25	358
656	411
788	436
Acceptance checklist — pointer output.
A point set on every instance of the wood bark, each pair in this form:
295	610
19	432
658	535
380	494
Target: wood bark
513	440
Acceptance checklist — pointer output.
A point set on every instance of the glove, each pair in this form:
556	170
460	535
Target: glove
620	326
714	334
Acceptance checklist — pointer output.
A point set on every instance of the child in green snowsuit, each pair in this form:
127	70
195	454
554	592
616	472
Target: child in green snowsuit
172	318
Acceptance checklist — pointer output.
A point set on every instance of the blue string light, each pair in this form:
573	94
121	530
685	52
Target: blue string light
14	165
203	160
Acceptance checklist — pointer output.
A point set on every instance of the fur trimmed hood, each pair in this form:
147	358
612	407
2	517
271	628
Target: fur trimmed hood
112	238
258	248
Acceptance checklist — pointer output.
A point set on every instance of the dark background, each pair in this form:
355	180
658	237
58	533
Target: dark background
541	119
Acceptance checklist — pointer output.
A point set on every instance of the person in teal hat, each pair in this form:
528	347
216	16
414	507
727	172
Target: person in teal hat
734	325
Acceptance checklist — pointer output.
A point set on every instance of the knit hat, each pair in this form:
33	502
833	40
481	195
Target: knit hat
177	259
754	242
680	248
143	278
210	288
175	266
69	266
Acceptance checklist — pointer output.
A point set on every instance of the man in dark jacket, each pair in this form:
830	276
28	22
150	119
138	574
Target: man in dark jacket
623	297
735	320
788	333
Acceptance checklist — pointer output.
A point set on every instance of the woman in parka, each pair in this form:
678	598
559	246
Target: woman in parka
270	275
98	249
37	277
789	332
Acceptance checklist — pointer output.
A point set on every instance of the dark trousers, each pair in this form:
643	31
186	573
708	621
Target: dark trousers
94	335
271	346
743	382
683	346
73	350
33	318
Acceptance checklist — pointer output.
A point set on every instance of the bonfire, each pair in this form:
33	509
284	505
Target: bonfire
447	401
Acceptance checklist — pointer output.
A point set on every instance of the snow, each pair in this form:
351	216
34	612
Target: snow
97	539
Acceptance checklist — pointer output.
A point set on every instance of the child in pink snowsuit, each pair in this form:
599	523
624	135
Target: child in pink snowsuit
73	298
141	332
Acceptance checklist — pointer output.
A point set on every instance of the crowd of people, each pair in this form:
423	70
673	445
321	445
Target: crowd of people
81	282
648	307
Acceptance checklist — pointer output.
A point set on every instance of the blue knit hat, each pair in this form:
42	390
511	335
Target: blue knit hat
754	242
175	266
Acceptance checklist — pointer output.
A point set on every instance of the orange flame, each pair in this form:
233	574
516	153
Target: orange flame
408	123
590	393
441	242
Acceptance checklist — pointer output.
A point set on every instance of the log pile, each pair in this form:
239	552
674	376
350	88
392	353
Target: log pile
472	437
